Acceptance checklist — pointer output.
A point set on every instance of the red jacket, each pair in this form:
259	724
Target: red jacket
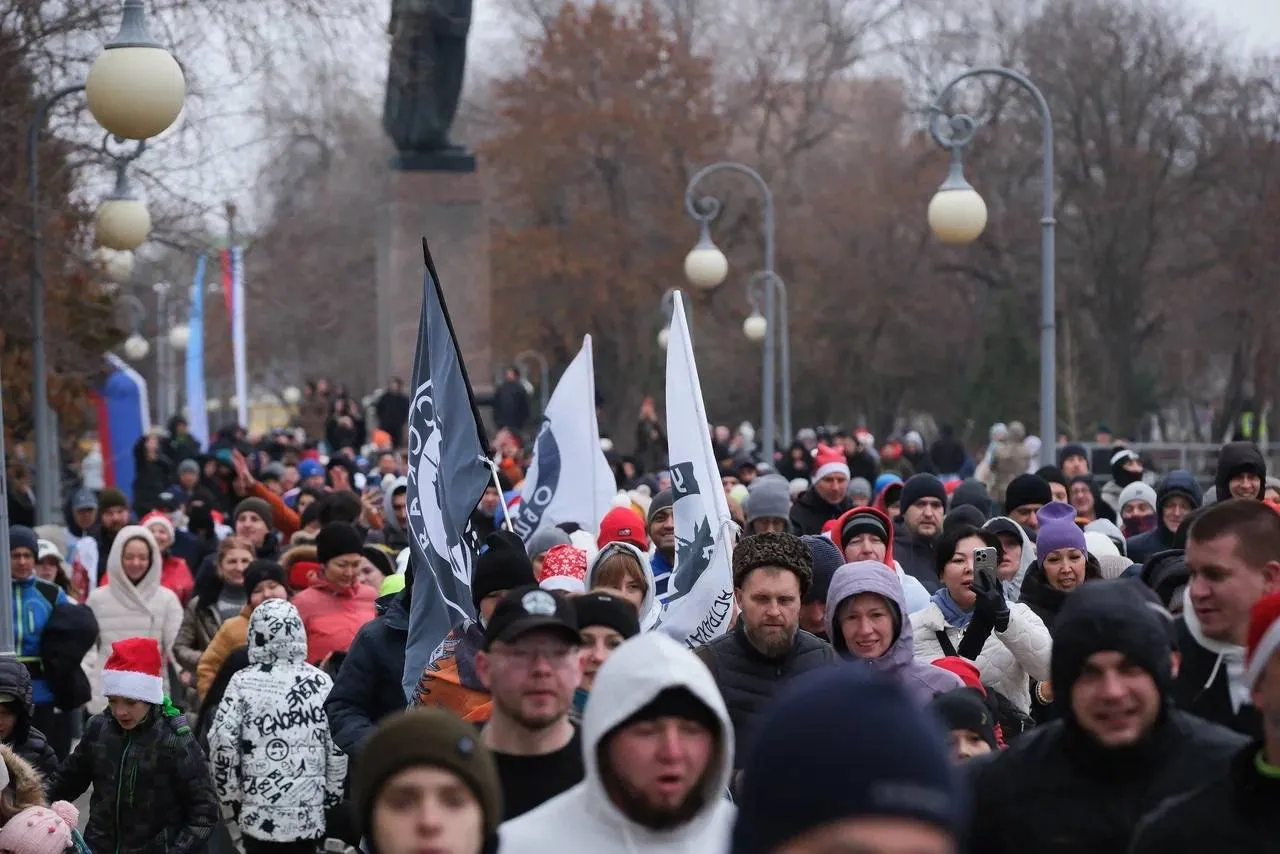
332	616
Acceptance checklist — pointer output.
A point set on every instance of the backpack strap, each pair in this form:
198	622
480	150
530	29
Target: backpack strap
945	642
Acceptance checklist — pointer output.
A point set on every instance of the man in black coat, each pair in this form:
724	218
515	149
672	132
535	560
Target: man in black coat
511	408
1118	748
827	498
1231	556
1236	812
392	409
771	574
370	684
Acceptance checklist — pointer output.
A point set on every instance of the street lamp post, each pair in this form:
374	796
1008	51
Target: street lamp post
706	267
957	214
544	375
135	90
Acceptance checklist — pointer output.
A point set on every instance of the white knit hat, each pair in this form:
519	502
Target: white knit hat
133	671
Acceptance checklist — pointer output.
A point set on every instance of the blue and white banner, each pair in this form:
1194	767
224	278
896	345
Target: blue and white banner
197	414
569	479
448	472
701	588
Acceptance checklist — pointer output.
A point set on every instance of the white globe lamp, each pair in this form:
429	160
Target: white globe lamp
292	395
136	347
957	213
755	327
135	88
705	266
180	336
664	336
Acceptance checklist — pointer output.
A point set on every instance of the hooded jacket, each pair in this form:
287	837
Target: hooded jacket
923	681
370	684
1072	793
584	818
26	789
25	740
272	756
1211	682
1005	525
1234	458
127	610
651	607
393	536
1160	539
915	595
34	600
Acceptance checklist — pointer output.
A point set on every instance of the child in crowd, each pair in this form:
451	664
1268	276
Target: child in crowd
151	785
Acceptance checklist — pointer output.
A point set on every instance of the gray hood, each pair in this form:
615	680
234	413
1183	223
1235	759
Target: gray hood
1013	587
388	510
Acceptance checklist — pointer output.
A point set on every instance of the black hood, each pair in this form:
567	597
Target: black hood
15	679
1107	616
1234	458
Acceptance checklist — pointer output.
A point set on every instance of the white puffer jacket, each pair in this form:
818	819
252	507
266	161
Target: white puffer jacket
127	610
1007	658
270	746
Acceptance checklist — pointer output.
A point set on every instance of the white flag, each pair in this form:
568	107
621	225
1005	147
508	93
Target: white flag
569	479
701	588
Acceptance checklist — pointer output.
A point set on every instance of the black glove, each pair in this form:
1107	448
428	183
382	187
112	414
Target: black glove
990	606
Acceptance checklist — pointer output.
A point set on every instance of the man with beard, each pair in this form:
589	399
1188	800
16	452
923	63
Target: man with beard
89	561
658	747
771	574
530	666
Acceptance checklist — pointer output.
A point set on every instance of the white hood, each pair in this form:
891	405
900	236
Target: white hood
1013	587
637	672
136	596
1229	655
650	608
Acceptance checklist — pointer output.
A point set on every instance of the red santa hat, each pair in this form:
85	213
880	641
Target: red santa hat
828	461
157	518
564	568
133	671
1264	636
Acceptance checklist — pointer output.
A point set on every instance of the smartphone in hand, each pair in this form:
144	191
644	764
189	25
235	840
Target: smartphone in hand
984	564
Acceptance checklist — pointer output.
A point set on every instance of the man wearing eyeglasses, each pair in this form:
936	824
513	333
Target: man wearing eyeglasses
530	666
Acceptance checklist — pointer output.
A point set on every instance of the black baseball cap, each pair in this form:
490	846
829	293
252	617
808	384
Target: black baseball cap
526	608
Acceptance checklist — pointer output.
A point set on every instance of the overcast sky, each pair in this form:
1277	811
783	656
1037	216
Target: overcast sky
1248	25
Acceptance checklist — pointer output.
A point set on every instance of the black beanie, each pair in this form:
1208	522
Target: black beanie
826	560
1027	489
263	570
965	708
784	551
431	737
675	702
890	760
1053	474
337	539
1106	616
662	501
502	565
599	608
381	557
920	486
111	497
22	537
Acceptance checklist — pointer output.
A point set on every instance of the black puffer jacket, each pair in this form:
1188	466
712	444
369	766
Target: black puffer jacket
368	687
25	740
1234	814
1043	599
748	680
1072	793
152	793
811	511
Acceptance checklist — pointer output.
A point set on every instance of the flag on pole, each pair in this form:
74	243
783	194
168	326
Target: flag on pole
701	588
448	472
237	336
569	479
197	414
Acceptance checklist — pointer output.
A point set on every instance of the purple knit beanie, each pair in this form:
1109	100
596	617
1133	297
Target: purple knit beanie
1058	530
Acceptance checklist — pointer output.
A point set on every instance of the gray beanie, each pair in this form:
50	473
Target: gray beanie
768	497
860	487
545	539
662	501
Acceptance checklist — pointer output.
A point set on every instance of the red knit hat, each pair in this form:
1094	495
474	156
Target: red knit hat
563	568
623	525
133	671
1264	636
828	461
964	668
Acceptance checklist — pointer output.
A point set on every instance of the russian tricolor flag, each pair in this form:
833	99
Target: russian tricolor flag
124	417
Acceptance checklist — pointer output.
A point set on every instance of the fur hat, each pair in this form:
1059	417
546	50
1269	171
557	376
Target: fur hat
784	551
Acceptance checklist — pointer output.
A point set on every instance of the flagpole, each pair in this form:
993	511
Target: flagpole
493	472
462	365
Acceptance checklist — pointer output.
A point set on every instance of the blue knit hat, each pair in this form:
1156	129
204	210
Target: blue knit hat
1058	530
22	537
862	747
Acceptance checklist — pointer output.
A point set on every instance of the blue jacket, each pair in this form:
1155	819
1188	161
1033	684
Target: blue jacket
661	576
33	601
370	684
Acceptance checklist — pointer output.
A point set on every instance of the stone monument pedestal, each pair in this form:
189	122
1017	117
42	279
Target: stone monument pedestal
446	207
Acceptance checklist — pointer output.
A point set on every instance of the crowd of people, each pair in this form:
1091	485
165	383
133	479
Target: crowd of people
930	652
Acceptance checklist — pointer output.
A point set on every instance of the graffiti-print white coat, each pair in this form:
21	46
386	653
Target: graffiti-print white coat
272	755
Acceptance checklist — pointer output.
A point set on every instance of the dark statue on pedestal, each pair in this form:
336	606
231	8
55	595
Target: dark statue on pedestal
424	83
